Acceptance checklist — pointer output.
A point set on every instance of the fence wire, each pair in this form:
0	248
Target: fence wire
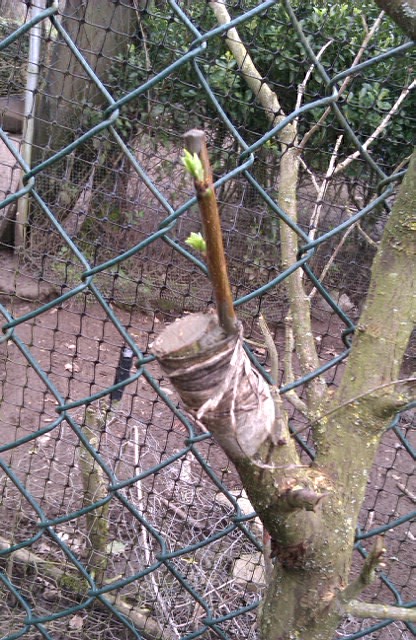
121	519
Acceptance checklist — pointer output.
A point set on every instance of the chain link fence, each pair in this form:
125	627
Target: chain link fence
120	517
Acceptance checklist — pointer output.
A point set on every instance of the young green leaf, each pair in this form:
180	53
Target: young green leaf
193	165
197	242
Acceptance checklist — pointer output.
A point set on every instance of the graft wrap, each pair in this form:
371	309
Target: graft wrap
216	382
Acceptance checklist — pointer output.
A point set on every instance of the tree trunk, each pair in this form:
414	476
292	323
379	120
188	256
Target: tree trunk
70	103
101	31
403	13
307	599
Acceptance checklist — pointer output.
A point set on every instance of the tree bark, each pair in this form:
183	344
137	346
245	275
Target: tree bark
70	103
304	600
403	12
101	31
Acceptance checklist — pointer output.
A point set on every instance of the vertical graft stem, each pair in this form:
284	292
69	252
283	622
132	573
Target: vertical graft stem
195	143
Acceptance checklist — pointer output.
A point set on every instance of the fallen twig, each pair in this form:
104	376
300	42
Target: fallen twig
148	626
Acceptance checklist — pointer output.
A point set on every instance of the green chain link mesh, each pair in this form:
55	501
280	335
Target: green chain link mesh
120	518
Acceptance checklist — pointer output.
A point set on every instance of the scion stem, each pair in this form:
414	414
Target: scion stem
195	142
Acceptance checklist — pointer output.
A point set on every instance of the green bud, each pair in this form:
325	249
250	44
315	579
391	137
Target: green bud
193	165
197	242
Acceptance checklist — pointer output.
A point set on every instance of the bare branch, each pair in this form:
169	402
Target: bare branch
95	483
380	611
406	492
366	237
281	421
291	395
324	186
333	257
271	348
368	573
302	86
266	97
310	173
347	80
381	127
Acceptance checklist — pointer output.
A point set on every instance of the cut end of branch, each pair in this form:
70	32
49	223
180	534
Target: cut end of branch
213	376
194	140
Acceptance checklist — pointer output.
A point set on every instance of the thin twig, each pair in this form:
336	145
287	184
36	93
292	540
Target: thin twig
145	542
352	400
366	237
333	257
302	86
322	191
311	174
190	521
344	85
383	124
407	493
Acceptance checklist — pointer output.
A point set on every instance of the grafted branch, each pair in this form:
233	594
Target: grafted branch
287	200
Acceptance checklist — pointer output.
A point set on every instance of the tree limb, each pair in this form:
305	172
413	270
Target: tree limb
266	97
367	575
403	12
380	611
